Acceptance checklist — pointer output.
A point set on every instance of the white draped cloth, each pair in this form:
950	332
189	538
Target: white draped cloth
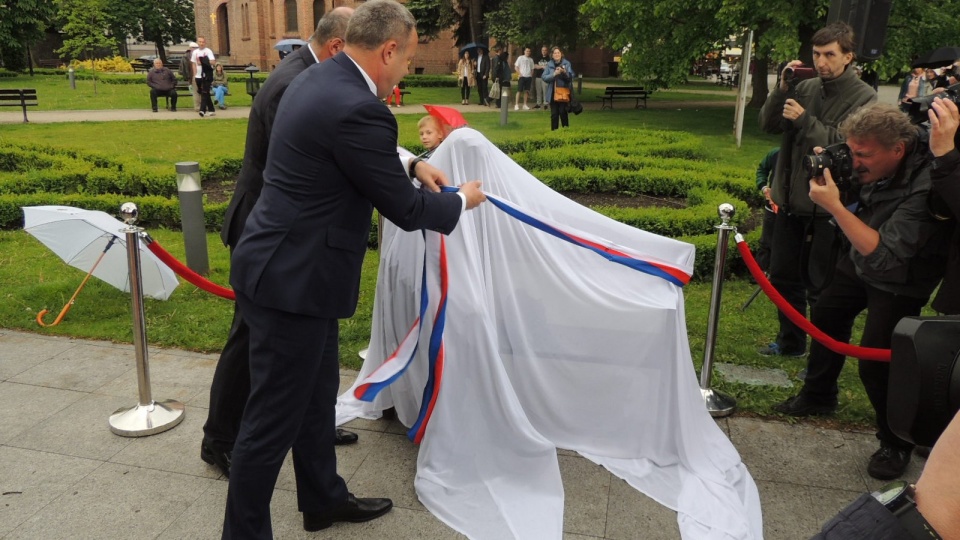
549	345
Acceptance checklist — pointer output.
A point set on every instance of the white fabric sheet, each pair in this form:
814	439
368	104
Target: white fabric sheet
548	346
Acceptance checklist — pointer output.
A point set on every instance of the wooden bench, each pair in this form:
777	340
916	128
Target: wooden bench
23	98
637	93
236	68
49	63
183	89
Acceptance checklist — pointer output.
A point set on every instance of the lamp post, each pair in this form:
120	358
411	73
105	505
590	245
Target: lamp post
253	85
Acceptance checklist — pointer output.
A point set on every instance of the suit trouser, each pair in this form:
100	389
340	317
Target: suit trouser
482	90
295	376
230	386
786	272
834	313
541	87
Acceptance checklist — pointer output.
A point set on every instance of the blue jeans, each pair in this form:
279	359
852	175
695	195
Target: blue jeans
219	92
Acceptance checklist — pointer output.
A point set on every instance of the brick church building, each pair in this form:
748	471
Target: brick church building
244	32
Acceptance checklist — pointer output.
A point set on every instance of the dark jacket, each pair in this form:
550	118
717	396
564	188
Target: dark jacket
483	66
946	186
911	256
161	79
259	126
564	80
332	160
826	104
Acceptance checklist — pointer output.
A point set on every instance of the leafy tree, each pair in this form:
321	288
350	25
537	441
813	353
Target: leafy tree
535	22
22	24
159	21
466	17
85	31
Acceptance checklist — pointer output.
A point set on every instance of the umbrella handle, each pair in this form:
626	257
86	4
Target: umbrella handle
69	304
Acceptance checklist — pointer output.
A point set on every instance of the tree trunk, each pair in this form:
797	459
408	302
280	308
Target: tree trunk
761	66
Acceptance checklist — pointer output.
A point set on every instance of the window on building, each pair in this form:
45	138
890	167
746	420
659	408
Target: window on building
290	12
223	30
318	8
273	20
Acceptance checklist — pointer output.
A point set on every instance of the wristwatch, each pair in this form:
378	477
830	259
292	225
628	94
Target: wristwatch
899	498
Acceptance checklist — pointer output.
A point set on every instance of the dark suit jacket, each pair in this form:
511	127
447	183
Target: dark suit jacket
483	67
332	153
259	126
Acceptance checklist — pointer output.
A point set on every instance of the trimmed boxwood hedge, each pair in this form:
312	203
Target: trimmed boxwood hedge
648	162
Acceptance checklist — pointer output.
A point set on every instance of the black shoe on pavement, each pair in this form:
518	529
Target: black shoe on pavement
343	437
774	349
888	463
211	453
154	110
800	405
173	109
354	510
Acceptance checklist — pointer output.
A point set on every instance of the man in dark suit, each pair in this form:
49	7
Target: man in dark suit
296	269
483	75
231	380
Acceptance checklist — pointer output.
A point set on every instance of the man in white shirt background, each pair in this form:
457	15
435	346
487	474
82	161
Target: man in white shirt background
524	68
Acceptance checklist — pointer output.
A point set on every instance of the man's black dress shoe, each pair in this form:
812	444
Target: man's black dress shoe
343	437
214	455
354	510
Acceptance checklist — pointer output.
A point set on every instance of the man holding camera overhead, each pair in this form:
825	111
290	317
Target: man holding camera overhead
895	257
807	113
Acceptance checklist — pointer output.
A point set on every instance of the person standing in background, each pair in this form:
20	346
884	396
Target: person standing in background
467	74
186	73
538	82
558	74
524	67
483	75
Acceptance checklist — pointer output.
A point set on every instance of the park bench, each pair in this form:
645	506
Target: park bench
49	63
183	89
637	93
236	68
23	98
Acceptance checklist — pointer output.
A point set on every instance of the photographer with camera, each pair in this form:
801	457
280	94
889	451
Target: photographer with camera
896	258
945	175
807	113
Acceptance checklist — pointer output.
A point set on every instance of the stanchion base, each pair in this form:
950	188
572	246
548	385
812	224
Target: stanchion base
143	420
718	404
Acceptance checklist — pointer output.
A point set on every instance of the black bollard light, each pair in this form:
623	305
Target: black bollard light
253	85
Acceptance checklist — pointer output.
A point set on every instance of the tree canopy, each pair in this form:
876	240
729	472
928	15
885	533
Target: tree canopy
159	21
23	23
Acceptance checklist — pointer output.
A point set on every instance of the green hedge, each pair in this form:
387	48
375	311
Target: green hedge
639	162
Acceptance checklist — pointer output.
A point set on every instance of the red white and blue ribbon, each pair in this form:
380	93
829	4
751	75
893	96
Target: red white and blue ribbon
433	290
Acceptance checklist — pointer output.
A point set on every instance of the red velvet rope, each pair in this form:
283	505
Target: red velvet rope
187	273
863	353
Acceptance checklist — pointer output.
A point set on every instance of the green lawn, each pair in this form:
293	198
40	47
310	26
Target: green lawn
32	278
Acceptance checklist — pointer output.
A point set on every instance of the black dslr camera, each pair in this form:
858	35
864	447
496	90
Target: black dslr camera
917	107
798	73
838	159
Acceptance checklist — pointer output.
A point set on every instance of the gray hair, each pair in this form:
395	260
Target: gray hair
377	21
882	122
332	25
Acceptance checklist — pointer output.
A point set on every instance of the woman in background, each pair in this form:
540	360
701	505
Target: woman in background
558	74
220	86
467	73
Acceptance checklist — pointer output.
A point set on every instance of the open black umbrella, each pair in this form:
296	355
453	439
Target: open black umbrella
944	56
472	47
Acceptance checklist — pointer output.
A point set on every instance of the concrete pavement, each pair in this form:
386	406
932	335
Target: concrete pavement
63	474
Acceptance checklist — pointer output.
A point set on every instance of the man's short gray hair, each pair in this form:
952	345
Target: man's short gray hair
332	25
882	122
377	21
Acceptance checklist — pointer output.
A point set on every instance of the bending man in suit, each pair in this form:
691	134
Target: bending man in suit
296	269
231	380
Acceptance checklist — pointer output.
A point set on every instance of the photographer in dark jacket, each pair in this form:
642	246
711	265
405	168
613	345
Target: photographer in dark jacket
896	258
945	175
807	114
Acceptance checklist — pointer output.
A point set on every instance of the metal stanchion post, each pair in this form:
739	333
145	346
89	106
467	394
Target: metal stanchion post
191	216
580	84
148	417
717	404
504	104
72	77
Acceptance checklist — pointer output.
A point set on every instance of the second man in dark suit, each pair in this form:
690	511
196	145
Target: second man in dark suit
231	380
483	75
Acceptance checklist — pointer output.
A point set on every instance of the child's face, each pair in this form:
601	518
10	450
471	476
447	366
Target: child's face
430	136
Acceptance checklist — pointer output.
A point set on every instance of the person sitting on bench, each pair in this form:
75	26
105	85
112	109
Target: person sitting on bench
162	82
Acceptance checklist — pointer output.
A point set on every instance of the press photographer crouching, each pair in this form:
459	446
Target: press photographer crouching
894	257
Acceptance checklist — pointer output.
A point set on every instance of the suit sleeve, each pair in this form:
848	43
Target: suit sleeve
366	149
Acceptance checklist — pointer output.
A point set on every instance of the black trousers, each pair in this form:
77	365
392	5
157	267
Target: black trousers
464	88
834	313
558	114
800	273
482	90
766	239
230	386
295	375
154	94
204	86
